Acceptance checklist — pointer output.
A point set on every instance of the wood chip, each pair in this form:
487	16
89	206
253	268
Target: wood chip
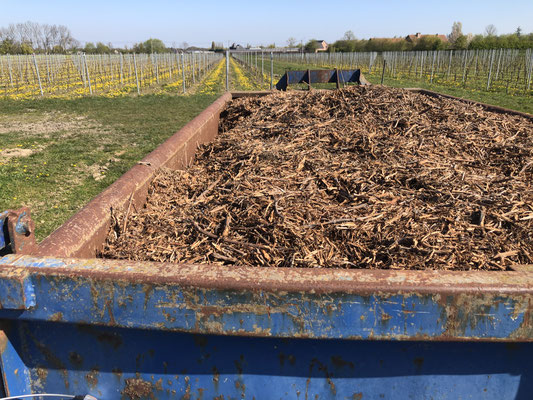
362	177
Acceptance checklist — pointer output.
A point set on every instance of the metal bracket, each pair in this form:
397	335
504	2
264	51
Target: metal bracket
17	232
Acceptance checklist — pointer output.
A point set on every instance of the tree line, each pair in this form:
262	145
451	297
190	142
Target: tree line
28	37
455	40
32	37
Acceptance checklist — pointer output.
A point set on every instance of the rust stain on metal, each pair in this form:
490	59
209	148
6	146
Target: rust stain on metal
200	393
292	280
3	341
148	290
187	395
526	327
137	388
42	374
385	317
331	385
109	306
92	377
57	317
113	339
51	358
117	372
463	311
211	317
419	362
322	368
454	293
339	362
357	396
290	358
239	385
200	340
21	229
239	364
75	358
216	378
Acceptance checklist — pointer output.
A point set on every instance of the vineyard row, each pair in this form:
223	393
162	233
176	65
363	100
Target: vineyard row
26	76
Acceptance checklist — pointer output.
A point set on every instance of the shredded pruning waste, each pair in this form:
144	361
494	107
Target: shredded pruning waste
362	177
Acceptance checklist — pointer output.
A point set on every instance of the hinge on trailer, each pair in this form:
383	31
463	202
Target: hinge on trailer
17	232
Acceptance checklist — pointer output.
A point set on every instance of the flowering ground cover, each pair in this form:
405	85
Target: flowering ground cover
55	155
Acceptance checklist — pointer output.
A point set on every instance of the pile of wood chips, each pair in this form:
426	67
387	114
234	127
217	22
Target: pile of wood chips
363	177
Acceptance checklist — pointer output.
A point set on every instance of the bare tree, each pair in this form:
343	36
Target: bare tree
457	32
48	37
184	45
348	35
7	34
291	42
65	38
490	30
35	36
21	32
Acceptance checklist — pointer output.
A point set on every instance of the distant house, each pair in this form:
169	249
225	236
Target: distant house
414	38
322	46
237	47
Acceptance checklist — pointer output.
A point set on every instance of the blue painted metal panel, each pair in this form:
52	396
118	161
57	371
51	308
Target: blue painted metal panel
159	342
343	315
114	363
144	304
15	372
16	290
16	293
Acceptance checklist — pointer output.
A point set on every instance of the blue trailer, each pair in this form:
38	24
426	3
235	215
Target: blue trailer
74	324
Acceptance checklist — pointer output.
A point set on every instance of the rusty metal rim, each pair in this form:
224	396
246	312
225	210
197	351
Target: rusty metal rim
212	276
488	107
75	234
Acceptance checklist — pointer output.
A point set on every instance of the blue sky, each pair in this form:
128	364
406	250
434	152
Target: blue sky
197	22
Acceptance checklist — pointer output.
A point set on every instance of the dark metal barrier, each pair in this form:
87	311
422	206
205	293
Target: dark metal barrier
337	76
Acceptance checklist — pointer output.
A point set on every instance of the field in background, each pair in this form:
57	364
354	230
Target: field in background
518	97
503	70
59	151
110	75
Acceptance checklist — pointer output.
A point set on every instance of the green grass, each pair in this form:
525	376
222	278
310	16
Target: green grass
75	159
